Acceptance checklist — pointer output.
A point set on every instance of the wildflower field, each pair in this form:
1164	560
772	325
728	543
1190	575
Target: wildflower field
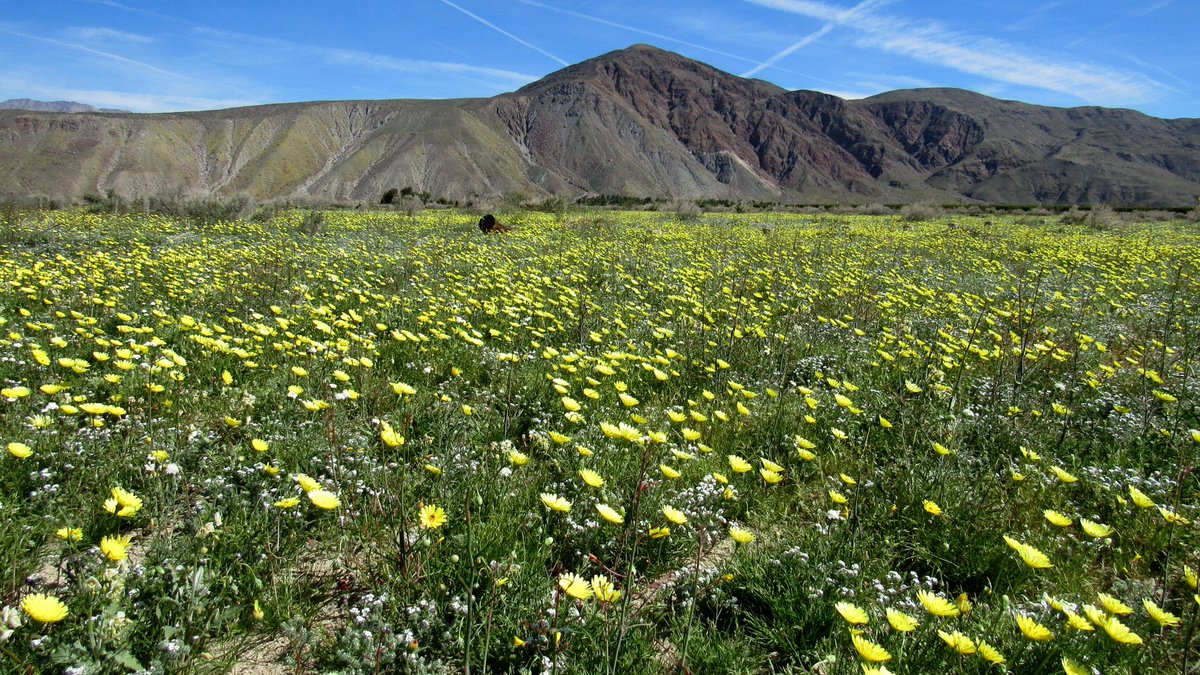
605	443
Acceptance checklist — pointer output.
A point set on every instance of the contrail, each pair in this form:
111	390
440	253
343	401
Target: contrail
500	30
811	37
633	29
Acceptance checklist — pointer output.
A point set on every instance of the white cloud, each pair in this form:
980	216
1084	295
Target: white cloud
97	52
985	57
497	76
101	34
632	29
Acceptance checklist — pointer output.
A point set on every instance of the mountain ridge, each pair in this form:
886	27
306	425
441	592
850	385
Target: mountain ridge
638	122
53	106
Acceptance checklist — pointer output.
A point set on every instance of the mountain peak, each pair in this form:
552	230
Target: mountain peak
640	122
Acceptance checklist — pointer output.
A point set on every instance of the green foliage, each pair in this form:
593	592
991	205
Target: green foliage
877	409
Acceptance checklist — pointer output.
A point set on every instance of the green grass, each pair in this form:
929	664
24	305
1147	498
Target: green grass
839	349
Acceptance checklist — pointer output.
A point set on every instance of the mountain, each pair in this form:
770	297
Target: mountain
52	106
638	122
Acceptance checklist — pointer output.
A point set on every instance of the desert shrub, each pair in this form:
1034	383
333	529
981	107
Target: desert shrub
555	204
919	211
686	211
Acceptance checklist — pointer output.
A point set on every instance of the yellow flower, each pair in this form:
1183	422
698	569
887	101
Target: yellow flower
958	642
402	389
69	533
570	404
123	504
674	515
1114	605
1095	615
1172	517
44	608
306	482
1139	498
1189	576
659	532
1030	555
627	400
911	387
575	586
257	611
287	503
769	476
467	410
389	436
1032	629
1078	622
869	650
853	614
1063	475
559	438
740	535
517	457
1095	530
15	392
610	514
115	548
991	654
603	589
19	450
1071	668
932	507
937	605
592	478
738	465
669	472
323	499
1161	616
259	445
901	621
883	422
555	503
837	497
431	517
1119	632
1056	518
963	603
941	449
803	443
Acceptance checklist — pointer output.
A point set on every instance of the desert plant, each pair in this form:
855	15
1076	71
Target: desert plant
920	211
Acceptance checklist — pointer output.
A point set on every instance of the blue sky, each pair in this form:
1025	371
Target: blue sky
167	55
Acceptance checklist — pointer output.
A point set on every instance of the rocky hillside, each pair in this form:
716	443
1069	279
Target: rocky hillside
637	122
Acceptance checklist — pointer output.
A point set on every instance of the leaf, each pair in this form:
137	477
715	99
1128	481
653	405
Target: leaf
128	660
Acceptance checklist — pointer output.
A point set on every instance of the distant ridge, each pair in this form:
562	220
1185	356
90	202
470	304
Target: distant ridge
638	122
52	106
